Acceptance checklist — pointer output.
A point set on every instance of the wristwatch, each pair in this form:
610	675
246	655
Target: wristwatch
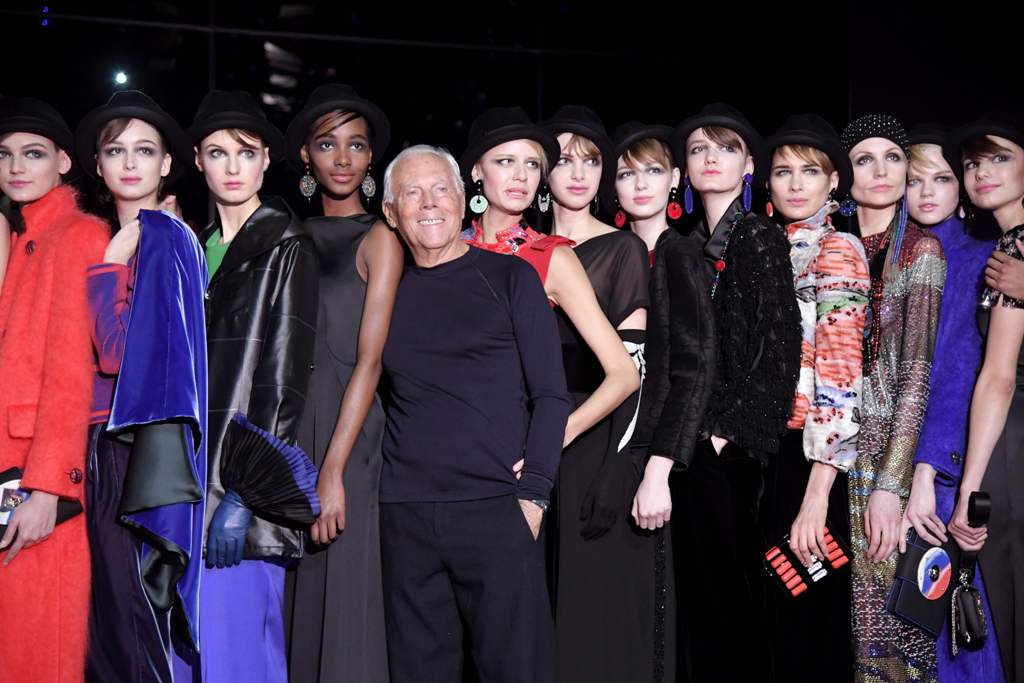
542	504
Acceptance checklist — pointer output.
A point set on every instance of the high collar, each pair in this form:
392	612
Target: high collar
805	238
715	241
818	220
48	210
949	228
272	223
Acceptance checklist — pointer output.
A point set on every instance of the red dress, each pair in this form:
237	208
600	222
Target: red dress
47	365
521	240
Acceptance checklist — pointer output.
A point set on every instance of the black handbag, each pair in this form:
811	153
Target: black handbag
924	583
967	613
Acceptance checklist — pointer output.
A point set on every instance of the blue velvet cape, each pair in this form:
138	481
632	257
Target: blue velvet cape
160	401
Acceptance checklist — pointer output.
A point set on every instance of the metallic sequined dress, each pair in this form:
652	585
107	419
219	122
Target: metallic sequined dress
902	325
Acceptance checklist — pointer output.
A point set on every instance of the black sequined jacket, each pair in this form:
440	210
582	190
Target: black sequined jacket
758	326
680	352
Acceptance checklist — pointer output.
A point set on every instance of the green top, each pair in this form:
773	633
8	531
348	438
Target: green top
215	251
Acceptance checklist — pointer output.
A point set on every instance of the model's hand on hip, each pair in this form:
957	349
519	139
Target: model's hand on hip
31	523
534	516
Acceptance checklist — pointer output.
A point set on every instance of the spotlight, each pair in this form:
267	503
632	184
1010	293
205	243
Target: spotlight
120	78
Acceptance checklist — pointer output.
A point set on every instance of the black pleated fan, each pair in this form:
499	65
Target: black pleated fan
277	481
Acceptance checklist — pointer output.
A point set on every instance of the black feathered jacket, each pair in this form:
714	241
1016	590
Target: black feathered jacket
680	352
261	308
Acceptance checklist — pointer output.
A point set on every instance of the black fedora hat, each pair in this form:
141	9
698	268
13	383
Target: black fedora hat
813	131
29	115
631	132
499	125
130	104
625	136
584	122
1002	124
221	110
331	97
717	114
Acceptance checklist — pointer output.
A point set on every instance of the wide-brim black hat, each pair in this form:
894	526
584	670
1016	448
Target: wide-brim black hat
499	125
625	136
717	114
332	97
130	104
224	110
29	115
999	123
813	131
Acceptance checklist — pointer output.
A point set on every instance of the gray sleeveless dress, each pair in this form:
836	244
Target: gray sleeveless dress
334	604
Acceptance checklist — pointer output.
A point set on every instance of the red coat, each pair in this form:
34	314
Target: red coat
46	368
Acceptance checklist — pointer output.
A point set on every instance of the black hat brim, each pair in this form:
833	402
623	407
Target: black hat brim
299	129
839	158
499	136
89	129
976	130
599	138
268	132
30	124
750	136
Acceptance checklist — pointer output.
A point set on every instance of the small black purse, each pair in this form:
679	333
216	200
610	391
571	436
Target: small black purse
969	627
924	583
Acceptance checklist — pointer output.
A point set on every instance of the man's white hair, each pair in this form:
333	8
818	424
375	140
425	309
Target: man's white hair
418	150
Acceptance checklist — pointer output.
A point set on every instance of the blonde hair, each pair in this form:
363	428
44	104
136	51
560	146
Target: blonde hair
543	157
927	157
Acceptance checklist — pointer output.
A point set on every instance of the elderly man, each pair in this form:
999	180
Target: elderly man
474	364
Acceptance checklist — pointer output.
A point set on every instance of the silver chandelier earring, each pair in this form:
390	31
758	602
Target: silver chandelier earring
307	184
369	186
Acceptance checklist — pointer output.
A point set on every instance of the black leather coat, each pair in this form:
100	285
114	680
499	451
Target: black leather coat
261	308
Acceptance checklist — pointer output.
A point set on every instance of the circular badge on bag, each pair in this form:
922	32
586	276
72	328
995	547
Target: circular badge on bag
934	572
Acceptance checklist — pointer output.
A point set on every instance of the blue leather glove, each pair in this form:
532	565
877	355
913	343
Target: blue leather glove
225	541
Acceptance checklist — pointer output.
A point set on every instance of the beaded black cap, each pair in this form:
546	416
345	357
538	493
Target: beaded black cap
875	126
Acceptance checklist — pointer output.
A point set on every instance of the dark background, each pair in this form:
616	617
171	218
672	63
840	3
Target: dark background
433	66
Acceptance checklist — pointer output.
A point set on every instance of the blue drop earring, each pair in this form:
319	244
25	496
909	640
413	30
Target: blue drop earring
848	207
687	195
748	193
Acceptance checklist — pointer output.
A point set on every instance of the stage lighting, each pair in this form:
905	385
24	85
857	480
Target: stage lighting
120	78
